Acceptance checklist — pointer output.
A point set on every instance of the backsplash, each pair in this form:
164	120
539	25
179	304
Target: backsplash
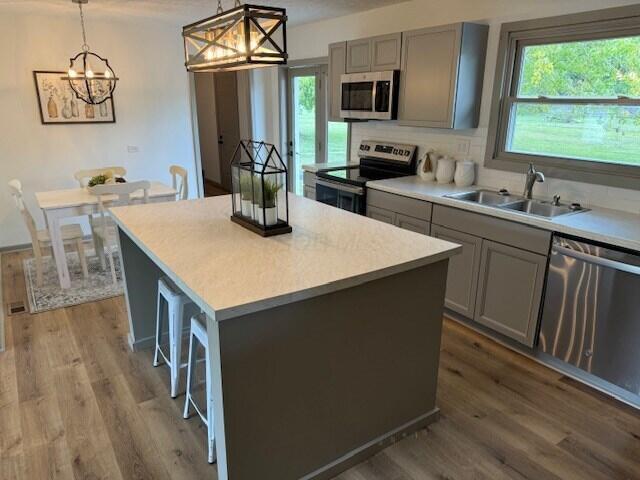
471	144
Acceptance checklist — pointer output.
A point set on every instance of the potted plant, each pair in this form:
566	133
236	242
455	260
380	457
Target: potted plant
268	212
246	194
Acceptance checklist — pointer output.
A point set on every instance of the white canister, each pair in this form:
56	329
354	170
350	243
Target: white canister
445	170
465	173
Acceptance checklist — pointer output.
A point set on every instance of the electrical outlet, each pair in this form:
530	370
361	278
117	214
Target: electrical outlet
133	149
463	147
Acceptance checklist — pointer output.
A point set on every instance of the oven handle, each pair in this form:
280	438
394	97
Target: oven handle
340	186
603	262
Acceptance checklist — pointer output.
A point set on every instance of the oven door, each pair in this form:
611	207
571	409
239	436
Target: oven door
340	195
371	95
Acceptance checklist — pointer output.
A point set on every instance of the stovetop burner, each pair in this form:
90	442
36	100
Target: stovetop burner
378	161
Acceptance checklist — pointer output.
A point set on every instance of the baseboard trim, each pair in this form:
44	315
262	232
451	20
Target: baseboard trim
358	455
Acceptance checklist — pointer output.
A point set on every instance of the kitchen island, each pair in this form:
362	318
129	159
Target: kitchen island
324	342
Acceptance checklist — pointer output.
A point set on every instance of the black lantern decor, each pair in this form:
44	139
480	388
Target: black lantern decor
246	36
259	181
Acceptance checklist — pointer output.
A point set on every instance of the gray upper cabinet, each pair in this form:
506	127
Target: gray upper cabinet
510	291
442	74
386	52
359	56
337	67
462	280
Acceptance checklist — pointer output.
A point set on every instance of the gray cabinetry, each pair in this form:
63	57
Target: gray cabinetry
309	185
382	215
359	56
462	280
510	291
337	67
442	73
375	54
386	52
407	213
498	279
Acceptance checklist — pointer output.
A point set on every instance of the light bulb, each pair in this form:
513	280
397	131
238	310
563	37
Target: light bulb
107	73
209	54
72	73
89	73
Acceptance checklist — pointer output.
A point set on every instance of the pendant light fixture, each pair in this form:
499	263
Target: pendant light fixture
90	76
247	36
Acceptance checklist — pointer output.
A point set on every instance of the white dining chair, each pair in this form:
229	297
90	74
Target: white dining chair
105	229
83	176
40	239
179	181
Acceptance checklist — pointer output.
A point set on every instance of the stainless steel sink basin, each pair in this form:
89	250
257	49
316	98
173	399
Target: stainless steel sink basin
486	197
541	209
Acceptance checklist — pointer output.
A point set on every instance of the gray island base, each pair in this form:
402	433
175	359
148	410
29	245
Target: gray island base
316	378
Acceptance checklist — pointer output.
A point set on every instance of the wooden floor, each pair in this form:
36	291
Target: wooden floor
76	403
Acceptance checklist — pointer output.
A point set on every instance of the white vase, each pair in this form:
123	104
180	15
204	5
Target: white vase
246	208
465	173
271	215
445	170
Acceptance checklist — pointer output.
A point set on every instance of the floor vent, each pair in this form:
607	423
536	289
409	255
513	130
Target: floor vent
15	308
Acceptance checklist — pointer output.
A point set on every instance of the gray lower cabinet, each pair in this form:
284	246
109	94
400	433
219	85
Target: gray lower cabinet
381	214
510	290
337	67
442	74
413	224
462	280
309	192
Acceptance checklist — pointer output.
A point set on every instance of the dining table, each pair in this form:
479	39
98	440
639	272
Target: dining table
57	205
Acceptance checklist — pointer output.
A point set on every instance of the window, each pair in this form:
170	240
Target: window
568	98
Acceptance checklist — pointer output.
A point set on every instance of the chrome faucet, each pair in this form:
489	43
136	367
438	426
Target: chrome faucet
533	176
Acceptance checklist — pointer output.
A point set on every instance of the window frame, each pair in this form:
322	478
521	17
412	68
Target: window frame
514	37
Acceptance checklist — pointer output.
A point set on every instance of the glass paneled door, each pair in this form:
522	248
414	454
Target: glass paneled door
307	121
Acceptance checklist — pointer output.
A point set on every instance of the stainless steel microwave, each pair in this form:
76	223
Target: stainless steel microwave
370	95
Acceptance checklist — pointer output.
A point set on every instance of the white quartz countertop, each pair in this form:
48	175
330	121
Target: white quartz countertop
315	167
609	226
229	271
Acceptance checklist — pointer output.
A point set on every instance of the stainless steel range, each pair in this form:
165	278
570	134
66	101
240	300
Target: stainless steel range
345	188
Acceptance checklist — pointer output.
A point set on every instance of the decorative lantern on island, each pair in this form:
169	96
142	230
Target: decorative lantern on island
259	181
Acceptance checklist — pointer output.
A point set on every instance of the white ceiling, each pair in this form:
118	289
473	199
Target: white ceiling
185	11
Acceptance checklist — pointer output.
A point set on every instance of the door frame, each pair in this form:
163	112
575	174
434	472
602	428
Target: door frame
321	73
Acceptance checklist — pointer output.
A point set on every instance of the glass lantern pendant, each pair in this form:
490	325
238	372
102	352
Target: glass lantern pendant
247	36
90	76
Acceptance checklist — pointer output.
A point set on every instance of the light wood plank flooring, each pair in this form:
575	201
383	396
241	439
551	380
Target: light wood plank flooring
76	403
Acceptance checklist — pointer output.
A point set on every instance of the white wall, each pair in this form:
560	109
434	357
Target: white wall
151	103
311	40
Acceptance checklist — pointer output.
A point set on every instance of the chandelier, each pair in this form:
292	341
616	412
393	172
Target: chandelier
90	76
247	36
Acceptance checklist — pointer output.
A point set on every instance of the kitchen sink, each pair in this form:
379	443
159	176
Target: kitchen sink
542	209
504	200
486	197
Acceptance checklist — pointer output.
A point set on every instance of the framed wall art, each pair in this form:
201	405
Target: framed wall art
59	105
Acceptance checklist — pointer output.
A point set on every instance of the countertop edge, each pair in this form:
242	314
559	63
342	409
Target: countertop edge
248	308
537	222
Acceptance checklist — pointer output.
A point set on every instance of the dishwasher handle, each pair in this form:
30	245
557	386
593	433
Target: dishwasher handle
603	262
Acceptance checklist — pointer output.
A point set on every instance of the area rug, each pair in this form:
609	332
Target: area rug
49	296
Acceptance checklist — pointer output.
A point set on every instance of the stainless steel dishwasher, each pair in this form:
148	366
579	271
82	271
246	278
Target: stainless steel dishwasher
591	314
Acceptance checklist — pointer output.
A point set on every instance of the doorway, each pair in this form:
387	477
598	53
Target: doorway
311	137
216	96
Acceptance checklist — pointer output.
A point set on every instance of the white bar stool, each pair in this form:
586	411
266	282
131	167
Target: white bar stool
199	333
176	301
